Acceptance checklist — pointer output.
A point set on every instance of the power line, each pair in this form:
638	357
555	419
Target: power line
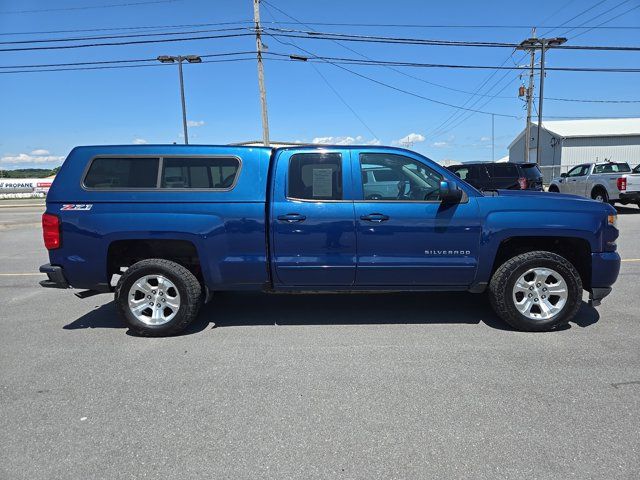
607	21
102	62
405	74
48	10
327	24
356	61
120	66
371	79
407	92
306	34
583	100
333	89
288	33
131	42
595	17
142	27
108	37
576	16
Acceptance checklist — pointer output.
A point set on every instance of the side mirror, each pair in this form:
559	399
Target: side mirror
449	192
563	175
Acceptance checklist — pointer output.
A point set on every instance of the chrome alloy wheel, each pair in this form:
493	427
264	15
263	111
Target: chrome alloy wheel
540	293
154	300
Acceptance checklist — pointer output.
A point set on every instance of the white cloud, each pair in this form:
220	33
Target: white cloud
345	140
40	152
411	138
22	158
337	140
484	139
139	141
439	144
195	123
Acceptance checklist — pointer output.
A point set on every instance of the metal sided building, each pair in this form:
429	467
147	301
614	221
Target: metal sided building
566	143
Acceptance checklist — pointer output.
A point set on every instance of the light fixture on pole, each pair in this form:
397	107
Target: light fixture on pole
535	43
180	59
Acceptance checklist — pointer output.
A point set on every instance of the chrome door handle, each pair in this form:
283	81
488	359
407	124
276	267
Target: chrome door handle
375	217
292	218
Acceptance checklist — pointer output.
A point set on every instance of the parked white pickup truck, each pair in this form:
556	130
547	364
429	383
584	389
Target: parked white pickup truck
606	182
630	187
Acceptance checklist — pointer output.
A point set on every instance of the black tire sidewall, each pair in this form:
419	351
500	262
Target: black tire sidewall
569	276
122	300
605	197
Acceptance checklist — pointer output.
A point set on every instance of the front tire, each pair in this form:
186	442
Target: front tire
536	291
158	297
553	189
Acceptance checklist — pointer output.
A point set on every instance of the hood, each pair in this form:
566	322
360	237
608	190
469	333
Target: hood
538	193
546	198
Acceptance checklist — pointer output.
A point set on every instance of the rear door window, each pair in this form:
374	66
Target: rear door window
200	172
315	176
122	173
503	170
612	168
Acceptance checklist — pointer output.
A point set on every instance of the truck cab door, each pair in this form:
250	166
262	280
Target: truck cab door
575	181
410	239
312	219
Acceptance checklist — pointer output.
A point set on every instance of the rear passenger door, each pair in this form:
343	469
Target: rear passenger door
312	219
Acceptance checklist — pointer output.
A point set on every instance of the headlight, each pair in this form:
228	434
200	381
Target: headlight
612	220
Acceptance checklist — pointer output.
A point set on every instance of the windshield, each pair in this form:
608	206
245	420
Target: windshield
637	169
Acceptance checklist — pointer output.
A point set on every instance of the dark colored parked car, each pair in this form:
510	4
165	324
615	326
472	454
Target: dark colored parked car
500	176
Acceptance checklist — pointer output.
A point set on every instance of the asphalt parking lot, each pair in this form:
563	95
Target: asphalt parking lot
355	386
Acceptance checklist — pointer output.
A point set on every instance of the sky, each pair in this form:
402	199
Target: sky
45	114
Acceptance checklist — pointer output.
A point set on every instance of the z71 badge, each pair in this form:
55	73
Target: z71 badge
77	206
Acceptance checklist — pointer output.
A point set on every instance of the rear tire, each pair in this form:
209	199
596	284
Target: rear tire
158	297
553	189
522	297
600	195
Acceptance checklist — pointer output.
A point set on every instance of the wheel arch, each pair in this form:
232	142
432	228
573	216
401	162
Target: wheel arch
576	250
123	253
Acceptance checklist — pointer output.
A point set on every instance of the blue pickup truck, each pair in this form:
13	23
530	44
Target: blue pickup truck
166	227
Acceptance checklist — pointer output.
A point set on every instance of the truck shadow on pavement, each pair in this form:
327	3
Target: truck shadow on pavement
231	309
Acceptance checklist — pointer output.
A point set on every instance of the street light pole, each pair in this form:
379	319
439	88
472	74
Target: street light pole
184	106
180	59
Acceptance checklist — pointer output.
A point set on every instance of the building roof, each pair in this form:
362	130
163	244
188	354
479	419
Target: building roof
591	127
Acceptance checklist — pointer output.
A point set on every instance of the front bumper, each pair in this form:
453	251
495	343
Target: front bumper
56	278
630	197
605	267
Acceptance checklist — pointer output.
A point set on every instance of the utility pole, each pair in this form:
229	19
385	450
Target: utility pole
527	141
493	137
542	44
263	92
